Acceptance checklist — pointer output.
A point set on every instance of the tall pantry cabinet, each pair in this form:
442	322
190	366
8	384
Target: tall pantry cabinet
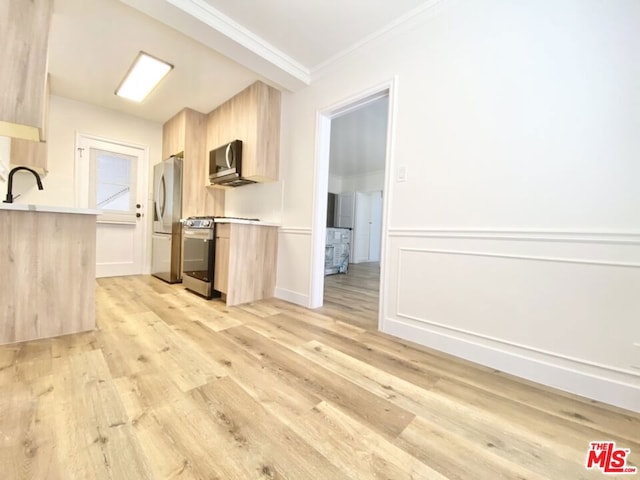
183	135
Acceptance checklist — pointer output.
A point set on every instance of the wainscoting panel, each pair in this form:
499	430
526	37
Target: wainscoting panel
294	249
558	308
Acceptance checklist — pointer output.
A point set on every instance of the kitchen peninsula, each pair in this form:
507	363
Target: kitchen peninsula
48	261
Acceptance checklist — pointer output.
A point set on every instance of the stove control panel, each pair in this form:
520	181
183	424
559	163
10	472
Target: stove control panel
199	223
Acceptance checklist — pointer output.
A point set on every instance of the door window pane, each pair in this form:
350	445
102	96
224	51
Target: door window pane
113	182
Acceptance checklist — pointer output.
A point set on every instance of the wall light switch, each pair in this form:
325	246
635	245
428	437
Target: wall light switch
402	173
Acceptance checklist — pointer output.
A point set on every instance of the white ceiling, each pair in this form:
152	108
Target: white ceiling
359	139
218	47
313	31
93	43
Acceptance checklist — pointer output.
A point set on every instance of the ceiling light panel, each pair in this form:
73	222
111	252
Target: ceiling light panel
145	73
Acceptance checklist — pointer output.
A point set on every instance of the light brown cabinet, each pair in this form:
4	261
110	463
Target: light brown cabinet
50	258
252	116
24	34
29	154
221	274
245	262
183	135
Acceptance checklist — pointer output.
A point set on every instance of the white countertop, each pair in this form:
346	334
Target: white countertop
246	222
24	207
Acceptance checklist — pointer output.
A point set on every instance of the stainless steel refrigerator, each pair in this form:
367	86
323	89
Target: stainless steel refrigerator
166	247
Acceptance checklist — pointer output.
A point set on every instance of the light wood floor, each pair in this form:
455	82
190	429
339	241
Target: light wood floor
352	297
172	386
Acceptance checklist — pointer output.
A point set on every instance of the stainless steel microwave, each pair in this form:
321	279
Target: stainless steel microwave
225	164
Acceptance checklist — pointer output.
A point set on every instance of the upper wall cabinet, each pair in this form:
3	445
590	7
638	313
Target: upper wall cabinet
28	153
174	133
24	33
183	135
252	116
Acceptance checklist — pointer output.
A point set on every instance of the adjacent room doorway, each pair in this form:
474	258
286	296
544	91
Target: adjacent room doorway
351	187
112	176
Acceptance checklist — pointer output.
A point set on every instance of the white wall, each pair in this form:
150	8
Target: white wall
368	182
515	241
258	200
335	184
66	117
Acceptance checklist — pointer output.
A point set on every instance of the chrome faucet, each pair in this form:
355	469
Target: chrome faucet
9	198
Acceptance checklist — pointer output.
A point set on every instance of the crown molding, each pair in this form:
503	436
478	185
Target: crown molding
394	26
217	20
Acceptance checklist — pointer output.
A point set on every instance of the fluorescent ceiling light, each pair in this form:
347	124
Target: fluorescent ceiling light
145	73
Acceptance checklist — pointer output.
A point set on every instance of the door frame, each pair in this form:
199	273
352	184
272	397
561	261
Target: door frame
81	175
321	186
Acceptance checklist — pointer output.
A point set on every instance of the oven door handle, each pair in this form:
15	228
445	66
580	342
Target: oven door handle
199	234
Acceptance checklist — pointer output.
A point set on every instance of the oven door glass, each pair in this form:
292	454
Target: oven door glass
198	254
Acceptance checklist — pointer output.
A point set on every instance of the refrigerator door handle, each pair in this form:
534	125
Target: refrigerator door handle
164	197
159	201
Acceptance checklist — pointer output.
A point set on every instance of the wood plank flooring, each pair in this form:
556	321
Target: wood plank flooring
353	297
172	386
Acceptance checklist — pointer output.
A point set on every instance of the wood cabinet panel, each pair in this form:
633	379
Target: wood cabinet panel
185	135
265	165
245	268
223	230
29	153
221	274
50	259
173	135
193	195
24	34
252	116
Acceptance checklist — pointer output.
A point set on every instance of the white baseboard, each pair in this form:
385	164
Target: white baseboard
545	371
293	297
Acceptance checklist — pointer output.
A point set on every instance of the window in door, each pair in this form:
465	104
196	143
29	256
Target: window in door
113	185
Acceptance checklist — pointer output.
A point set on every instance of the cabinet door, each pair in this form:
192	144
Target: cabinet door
24	34
173	135
29	153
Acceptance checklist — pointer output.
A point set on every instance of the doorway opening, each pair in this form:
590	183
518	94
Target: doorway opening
352	181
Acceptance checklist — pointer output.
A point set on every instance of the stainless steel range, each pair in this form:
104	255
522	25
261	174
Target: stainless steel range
198	246
199	252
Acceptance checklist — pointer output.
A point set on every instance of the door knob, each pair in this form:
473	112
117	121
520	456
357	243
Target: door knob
138	215
138	205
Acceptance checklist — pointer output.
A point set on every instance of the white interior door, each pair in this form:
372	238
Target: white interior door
361	228
345	209
375	236
112	177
